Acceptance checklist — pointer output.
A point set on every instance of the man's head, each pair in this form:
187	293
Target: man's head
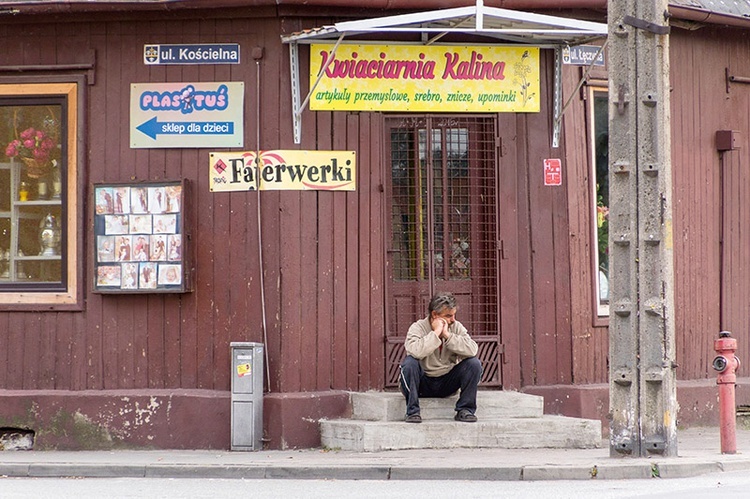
443	305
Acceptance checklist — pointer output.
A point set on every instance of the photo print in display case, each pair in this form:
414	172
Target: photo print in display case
139	232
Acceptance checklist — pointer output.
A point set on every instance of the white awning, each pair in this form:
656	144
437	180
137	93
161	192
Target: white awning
503	25
500	24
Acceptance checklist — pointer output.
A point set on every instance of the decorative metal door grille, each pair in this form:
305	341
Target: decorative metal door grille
443	226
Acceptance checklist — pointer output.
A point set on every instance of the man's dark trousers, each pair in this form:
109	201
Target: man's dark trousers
464	376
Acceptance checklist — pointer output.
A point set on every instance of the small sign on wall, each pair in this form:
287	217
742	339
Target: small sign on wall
282	170
583	55
186	115
213	53
552	172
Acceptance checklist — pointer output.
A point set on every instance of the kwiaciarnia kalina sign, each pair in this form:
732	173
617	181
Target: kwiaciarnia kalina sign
436	78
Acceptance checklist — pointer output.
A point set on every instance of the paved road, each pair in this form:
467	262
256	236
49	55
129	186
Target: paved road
733	484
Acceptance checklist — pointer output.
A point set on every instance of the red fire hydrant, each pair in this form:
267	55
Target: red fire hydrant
726	364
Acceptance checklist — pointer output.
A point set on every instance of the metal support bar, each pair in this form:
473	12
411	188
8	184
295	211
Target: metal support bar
297	108
558	97
657	29
739	79
294	77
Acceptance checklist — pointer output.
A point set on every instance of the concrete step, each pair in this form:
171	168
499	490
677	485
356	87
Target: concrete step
554	432
390	406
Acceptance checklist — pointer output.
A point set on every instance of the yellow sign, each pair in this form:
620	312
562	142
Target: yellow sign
282	170
435	78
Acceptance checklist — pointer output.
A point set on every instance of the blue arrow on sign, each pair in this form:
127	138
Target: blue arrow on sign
153	127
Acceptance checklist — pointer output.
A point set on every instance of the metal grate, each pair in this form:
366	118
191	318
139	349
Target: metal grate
443	221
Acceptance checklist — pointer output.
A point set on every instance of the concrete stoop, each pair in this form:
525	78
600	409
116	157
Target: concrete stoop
507	420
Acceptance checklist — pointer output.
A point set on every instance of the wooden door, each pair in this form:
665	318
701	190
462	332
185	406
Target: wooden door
442	227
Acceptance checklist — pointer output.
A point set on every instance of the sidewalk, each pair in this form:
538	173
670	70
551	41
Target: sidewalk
699	452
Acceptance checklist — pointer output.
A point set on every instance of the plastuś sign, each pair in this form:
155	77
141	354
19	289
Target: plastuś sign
435	78
187	114
282	170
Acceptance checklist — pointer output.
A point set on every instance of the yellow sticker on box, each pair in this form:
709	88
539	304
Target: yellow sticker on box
243	370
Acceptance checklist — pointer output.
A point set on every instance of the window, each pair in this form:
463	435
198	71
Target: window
38	202
599	140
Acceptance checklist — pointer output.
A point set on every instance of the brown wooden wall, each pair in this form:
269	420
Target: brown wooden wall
543	252
712	192
590	345
323	283
711	201
322	252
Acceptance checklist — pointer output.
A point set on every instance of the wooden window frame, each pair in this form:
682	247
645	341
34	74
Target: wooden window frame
600	312
71	298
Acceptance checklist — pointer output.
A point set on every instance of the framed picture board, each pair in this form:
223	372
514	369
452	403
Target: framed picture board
139	238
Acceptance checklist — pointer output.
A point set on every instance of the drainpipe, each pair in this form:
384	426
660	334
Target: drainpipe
707	17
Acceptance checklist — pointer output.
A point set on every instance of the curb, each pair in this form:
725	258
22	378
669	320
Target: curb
607	471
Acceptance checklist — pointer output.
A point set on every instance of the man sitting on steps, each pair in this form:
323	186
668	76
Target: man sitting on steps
441	359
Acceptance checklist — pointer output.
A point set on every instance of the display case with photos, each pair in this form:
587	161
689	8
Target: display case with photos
140	238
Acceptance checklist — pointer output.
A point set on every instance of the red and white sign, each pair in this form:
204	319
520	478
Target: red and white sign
552	172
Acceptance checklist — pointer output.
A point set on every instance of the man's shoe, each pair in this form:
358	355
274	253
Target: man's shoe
413	418
465	416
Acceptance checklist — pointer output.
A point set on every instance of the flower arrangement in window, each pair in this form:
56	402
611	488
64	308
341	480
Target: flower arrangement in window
33	147
602	223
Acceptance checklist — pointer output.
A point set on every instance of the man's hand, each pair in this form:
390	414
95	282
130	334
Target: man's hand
440	327
438	324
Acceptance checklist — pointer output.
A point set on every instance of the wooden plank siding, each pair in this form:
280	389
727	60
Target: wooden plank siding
589	342
543	254
710	196
710	193
511	298
697	183
323	281
322	260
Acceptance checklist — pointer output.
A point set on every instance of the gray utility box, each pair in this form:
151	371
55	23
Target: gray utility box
247	395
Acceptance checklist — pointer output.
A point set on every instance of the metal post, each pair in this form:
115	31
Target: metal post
643	401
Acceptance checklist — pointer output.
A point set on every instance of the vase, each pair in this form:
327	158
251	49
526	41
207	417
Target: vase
56	180
49	235
35	168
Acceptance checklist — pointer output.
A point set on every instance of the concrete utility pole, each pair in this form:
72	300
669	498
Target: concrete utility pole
642	396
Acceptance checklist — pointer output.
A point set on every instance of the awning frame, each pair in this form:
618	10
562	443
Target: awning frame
505	25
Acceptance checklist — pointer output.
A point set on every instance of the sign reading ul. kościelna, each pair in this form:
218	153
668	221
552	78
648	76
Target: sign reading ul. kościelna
186	115
435	78
210	53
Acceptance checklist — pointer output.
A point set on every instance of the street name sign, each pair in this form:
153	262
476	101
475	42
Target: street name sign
217	53
583	55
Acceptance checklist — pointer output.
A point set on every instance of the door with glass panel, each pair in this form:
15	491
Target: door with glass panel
442	226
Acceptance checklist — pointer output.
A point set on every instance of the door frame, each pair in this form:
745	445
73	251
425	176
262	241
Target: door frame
492	147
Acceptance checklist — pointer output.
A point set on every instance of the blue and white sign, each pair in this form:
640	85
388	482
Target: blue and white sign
186	115
583	55
217	53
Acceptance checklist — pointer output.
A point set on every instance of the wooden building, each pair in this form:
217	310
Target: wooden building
328	280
